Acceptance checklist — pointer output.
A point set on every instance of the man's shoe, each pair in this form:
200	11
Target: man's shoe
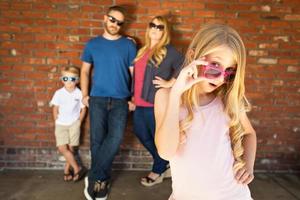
101	190
89	192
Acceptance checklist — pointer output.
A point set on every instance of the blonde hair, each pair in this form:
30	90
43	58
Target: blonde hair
232	94
72	69
159	51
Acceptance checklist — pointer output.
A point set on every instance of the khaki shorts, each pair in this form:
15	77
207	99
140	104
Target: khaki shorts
67	134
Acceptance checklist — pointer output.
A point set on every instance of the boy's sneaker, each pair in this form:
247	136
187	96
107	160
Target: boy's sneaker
101	190
89	192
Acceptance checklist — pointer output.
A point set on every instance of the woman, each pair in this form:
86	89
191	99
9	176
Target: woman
156	66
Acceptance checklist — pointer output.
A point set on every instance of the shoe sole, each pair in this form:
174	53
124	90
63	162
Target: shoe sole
157	181
102	198
86	186
167	173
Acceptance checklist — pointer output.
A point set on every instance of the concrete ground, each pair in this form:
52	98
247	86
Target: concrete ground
48	185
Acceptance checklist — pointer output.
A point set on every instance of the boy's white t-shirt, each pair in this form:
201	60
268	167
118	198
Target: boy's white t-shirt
69	105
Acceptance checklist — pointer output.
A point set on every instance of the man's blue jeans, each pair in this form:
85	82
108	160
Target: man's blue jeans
144	129
108	118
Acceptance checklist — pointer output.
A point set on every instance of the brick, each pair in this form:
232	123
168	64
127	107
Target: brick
258	53
292	69
268	61
35	61
59	61
288	61
281	38
45	37
57	15
149	3
23	67
33	14
268	45
68	23
205	13
45	22
292	17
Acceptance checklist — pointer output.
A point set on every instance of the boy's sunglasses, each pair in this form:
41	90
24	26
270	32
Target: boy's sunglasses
69	78
158	27
114	20
211	71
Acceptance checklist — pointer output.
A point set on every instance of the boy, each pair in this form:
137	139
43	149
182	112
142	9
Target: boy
68	113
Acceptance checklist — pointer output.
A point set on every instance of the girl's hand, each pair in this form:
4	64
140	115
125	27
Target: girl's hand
188	77
244	175
161	83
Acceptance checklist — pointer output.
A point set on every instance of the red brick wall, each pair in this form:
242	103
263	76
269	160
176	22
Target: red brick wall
40	37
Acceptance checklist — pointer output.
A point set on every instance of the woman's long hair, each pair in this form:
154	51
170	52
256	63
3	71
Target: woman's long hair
158	53
232	94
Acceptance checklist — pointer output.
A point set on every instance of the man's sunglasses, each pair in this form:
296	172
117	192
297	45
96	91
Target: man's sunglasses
69	78
158	27
114	20
211	71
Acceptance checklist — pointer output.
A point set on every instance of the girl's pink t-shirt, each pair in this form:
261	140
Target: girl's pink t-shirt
202	167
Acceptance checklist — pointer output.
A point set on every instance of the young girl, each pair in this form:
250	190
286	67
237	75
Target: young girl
202	126
156	65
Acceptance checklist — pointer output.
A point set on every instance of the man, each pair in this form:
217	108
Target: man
111	56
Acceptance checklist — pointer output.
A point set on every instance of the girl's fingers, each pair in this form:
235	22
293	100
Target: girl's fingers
239	173
249	179
244	177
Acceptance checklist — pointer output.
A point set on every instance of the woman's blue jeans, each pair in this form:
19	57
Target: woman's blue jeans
144	129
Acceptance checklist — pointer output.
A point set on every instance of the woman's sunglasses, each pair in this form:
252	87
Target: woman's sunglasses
114	20
211	71
69	78
158	27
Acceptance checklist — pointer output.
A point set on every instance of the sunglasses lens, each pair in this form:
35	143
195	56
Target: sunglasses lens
152	25
114	20
229	75
66	78
160	27
120	23
212	73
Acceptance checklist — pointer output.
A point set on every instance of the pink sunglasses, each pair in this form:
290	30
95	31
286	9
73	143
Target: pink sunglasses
211	71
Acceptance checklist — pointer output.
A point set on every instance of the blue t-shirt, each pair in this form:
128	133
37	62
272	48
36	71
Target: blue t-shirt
111	60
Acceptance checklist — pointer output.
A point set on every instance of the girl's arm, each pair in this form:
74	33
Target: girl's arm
245	175
166	108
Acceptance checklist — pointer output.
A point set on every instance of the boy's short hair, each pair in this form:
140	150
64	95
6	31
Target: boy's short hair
116	8
72	69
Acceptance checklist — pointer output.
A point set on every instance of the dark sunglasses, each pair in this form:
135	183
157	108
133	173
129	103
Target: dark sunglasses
114	20
69	78
158	27
212	71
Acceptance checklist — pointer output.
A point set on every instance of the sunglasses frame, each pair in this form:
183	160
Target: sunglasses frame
114	20
69	78
158	27
204	71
